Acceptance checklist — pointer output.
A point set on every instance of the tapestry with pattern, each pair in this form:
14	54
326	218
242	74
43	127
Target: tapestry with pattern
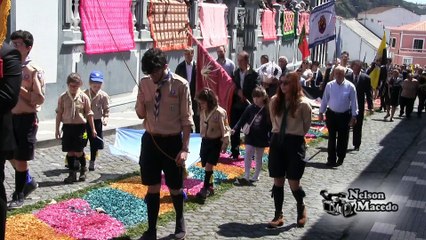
288	25
269	30
107	26
168	21
303	19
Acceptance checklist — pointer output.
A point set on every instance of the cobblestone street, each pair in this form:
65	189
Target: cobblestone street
242	212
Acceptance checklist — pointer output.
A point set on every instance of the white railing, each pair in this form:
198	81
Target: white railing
412	50
72	18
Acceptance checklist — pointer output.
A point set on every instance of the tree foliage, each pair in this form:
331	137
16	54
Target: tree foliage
350	8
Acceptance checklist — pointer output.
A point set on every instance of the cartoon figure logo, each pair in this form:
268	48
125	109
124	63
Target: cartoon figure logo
334	204
322	24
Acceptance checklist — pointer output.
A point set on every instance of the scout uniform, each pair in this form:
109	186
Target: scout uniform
25	121
215	133
166	109
73	112
162	140
100	108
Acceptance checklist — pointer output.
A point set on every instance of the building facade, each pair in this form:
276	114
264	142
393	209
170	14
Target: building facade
407	43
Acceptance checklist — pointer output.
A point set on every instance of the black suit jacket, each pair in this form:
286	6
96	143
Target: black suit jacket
251	81
363	91
10	86
181	71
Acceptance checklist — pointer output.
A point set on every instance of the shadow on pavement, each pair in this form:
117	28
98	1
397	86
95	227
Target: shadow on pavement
257	230
381	174
55	172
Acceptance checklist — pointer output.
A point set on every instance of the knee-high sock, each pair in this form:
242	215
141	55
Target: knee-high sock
207	177
82	160
178	205
278	195
152	201
20	180
299	194
93	154
71	163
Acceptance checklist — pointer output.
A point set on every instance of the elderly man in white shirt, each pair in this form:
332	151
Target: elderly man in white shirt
340	105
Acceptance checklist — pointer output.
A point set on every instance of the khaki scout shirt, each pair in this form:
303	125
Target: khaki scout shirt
82	108
33	82
99	104
297	125
175	105
215	125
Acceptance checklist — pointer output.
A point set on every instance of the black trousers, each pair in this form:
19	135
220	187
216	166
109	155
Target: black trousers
406	104
338	127
235	138
357	129
421	106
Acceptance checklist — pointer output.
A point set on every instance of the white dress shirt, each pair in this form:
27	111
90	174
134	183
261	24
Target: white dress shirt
189	70
340	98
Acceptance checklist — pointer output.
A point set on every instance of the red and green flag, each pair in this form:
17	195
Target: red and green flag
303	44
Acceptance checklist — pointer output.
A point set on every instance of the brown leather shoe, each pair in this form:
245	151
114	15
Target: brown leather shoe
278	221
302	217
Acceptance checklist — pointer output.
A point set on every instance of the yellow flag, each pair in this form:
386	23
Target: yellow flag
4	12
374	76
382	55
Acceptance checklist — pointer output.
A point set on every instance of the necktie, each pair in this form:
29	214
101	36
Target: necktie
157	96
356	80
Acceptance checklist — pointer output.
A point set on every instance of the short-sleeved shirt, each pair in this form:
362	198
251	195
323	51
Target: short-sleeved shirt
81	108
33	82
99	104
175	110
296	125
215	125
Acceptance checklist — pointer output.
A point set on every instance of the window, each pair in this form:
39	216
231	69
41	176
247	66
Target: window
393	42
418	44
407	60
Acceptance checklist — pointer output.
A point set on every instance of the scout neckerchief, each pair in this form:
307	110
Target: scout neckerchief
157	96
73	101
208	118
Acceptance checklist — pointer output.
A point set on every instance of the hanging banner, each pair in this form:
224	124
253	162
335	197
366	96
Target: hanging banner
269	30
212	24
288	25
169	23
107	26
322	24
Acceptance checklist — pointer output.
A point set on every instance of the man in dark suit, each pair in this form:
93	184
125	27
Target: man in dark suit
362	83
10	84
245	79
188	70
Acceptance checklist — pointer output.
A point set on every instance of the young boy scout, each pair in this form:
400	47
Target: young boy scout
73	110
25	121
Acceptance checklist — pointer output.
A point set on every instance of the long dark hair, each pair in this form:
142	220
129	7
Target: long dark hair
207	95
295	93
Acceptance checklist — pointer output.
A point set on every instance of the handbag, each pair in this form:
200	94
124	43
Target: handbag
246	128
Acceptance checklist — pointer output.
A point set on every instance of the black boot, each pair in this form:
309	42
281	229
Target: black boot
72	176
302	218
180	230
278	195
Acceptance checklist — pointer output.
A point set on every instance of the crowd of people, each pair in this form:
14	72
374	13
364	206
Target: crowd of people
269	107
